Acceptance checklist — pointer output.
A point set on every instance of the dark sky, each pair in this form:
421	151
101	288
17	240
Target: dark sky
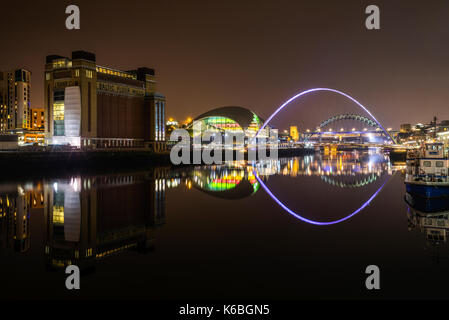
252	53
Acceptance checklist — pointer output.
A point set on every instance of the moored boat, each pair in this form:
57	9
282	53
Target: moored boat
427	171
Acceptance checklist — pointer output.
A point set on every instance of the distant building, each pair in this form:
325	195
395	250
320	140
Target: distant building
406	127
15	100
37	119
294	134
95	106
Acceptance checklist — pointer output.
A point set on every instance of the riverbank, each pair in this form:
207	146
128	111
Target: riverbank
35	163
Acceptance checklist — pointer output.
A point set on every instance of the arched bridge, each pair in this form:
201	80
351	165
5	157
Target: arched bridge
310	91
354	117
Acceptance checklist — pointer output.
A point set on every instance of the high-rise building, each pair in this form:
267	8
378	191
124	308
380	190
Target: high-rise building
294	134
15	100
37	119
95	106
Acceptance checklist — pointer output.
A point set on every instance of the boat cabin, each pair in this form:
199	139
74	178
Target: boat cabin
428	164
434	150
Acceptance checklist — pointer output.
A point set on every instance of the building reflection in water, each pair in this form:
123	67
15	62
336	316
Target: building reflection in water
16	203
430	217
91	218
232	181
88	218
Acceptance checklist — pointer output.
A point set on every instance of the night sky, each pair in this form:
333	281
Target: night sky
252	53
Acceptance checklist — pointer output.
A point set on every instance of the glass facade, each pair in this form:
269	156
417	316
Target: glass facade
58	113
221	124
159	120
225	124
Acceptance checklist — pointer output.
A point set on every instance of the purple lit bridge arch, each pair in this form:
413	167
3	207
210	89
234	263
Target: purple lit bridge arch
280	203
306	92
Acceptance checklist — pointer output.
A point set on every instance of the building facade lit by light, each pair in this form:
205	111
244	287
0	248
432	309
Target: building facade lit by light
233	120
294	134
15	100
94	106
37	119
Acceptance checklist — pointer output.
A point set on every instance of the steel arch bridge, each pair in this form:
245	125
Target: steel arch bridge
355	117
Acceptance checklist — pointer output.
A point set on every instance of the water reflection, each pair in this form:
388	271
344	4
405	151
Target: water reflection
346	164
352	169
88	218
430	218
16	201
232	181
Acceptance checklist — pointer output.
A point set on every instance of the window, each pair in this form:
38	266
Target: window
77	73
58	113
89	106
439	164
61	63
427	164
89	74
47	76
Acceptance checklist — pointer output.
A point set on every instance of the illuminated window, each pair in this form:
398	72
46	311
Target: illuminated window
58	117
77	73
89	74
47	76
61	63
58	110
58	215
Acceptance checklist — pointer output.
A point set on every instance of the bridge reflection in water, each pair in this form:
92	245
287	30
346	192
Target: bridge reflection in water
88	218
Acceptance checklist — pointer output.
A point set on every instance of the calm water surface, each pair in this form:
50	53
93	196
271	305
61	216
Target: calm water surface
215	232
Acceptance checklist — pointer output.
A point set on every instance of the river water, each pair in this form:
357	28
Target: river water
296	228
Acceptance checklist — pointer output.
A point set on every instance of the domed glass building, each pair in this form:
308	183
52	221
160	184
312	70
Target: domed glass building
233	120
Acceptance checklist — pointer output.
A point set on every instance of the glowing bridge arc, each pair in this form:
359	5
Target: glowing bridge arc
303	93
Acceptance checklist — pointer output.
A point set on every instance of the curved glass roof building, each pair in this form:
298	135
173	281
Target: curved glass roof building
231	119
